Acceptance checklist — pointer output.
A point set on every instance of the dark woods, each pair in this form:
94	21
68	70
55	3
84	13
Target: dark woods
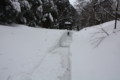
45	13
94	12
58	14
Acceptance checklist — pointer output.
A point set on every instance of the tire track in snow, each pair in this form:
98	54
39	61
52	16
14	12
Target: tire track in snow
63	51
60	49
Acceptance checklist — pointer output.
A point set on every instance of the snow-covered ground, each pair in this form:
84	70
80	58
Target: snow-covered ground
41	54
32	54
96	53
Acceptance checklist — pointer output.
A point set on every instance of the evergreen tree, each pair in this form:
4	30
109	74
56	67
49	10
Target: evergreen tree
46	13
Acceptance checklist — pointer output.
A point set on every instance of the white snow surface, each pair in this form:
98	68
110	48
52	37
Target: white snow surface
32	54
41	54
91	61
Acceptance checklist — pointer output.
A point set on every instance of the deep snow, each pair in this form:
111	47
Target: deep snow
41	54
33	54
91	61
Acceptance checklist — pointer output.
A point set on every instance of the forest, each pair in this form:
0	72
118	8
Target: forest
54	14
45	13
94	12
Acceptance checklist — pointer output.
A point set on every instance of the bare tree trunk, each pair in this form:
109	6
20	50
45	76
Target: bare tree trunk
116	15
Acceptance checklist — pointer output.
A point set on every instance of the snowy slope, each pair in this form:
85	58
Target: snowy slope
26	53
42	54
95	54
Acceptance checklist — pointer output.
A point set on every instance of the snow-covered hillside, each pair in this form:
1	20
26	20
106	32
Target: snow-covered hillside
31	53
96	53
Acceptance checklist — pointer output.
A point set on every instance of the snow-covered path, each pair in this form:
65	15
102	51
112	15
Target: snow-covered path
55	64
58	59
34	54
63	50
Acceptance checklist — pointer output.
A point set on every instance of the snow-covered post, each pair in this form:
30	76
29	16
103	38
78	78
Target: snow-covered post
116	12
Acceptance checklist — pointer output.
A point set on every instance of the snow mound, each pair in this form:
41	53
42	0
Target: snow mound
96	53
24	53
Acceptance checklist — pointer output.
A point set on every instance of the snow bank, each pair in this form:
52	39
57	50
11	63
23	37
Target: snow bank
95	54
23	50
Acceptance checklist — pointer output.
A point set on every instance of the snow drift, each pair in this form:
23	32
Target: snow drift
96	53
24	53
